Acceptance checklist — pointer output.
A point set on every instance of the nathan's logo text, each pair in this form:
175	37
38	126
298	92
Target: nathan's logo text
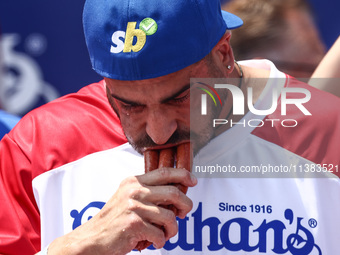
287	235
124	41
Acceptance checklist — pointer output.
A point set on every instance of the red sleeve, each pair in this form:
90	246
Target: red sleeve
316	137
19	215
60	132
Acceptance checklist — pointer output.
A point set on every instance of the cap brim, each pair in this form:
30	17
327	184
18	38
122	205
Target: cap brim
232	20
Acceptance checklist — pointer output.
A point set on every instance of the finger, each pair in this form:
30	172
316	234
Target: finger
164	176
153	234
158	195
160	216
170	195
182	188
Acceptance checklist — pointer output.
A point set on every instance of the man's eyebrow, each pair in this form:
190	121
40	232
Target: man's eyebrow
176	94
126	101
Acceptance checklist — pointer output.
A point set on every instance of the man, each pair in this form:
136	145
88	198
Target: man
101	201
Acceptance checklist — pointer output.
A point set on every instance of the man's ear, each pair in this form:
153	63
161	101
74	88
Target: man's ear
223	54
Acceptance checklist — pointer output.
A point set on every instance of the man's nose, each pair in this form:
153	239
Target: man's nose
160	125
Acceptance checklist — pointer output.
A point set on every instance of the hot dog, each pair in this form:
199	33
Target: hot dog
179	157
184	160
151	159
166	158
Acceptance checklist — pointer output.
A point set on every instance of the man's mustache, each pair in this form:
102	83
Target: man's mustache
177	136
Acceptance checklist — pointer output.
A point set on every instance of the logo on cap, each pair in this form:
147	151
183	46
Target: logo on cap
124	41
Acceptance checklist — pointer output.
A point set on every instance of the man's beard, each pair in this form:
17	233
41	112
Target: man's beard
198	141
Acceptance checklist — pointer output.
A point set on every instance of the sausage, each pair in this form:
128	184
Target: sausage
181	157
142	245
151	159
184	160
167	158
184	156
154	159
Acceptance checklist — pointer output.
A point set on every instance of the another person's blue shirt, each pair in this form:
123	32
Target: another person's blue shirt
7	122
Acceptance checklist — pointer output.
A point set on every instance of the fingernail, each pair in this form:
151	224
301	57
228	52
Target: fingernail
193	179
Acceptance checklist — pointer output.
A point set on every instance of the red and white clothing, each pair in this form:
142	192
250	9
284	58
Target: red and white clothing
49	137
74	154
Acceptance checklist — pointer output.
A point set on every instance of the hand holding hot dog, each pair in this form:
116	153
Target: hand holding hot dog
179	156
136	212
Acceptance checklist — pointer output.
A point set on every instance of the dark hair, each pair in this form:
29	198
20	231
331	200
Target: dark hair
264	23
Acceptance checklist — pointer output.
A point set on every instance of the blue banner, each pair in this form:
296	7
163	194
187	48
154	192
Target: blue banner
43	52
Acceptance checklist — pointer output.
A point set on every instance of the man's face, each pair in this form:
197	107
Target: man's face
155	113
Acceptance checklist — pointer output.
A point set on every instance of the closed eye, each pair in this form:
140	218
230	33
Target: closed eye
182	98
131	107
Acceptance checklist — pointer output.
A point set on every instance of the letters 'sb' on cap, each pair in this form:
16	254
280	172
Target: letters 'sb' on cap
142	39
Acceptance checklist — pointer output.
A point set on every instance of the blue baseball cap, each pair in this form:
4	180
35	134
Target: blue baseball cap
143	39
